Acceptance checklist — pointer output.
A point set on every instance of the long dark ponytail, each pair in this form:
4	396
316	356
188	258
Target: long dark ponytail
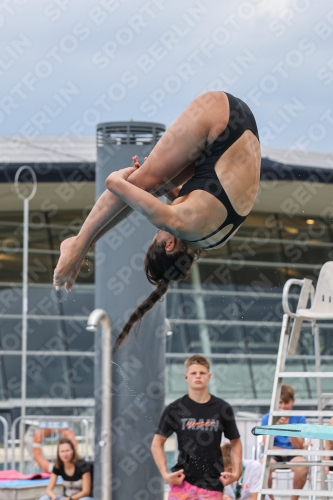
161	267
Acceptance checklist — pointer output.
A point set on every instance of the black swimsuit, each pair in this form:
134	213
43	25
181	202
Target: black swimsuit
205	178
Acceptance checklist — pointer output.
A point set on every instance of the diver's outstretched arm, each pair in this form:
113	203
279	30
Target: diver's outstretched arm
108	211
171	196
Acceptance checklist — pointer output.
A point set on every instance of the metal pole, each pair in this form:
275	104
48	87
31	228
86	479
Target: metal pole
315	332
203	329
86	437
96	317
24	296
24	325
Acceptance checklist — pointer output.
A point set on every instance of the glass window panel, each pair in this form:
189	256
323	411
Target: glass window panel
87	271
256	250
71	219
186	306
11	235
266	278
45	233
10	300
11	217
214	274
60	377
185	338
11	266
231	379
41	409
305	387
58	335
39	236
224	307
306	254
253	224
279	226
10	376
327	366
260	308
326	341
311	229
263	375
41	267
247	378
10	334
46	300
236	339
219	253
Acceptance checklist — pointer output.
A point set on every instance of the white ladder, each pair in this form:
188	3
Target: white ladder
321	309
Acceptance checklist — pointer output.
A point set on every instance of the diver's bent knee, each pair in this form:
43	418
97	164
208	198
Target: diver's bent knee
109	181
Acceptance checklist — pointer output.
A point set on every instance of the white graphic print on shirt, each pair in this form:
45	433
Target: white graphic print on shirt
210	424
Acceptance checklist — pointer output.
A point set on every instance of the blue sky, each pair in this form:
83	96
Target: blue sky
66	65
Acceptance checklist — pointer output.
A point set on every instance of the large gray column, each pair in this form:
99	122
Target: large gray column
138	369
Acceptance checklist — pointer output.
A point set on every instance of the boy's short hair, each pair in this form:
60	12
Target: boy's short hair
287	393
197	359
226	455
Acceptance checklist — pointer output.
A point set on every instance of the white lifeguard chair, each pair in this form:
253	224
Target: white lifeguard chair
321	309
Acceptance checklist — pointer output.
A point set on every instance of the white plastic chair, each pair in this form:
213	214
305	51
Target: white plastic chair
322	306
322	302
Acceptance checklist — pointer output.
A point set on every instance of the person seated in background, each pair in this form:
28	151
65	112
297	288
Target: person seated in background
329	446
76	474
248	485
287	400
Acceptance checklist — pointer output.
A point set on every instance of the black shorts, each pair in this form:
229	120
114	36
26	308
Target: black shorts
287	458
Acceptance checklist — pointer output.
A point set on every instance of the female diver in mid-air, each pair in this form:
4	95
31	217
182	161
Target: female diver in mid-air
208	163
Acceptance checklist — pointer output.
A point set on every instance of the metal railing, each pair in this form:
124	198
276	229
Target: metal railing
104	441
40	418
5	442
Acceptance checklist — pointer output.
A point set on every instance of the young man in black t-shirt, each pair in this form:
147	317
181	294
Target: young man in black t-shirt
199	419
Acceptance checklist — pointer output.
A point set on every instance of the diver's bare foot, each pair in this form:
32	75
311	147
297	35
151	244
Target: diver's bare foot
69	264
